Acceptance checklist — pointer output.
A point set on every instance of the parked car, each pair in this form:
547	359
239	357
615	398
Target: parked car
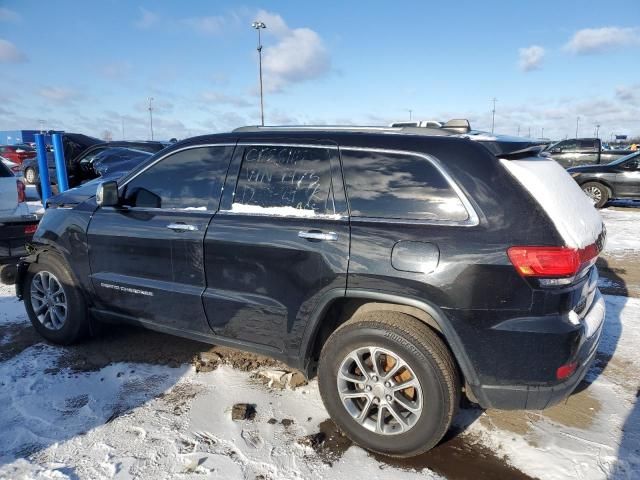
17	153
405	269
118	159
617	179
80	167
582	151
17	224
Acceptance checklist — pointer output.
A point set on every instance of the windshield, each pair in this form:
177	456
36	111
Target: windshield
624	159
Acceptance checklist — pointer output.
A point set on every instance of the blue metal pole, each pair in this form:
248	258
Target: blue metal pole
61	167
43	168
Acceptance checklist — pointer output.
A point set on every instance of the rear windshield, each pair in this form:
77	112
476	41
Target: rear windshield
398	186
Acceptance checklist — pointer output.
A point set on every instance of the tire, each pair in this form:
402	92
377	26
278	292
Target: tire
57	328
597	193
427	360
30	176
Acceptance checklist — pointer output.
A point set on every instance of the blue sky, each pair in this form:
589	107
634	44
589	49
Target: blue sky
90	66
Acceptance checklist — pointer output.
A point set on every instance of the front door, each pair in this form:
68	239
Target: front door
279	243
628	178
146	257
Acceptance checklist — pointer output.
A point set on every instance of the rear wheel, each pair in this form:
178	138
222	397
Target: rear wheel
389	383
597	193
30	176
53	301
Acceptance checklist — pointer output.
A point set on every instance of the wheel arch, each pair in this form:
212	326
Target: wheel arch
335	309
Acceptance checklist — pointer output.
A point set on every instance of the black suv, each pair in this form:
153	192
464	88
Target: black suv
404	266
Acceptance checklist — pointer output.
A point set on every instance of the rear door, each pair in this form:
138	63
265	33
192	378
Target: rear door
147	258
279	243
587	152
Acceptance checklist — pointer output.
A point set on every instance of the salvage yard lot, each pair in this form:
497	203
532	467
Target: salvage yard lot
138	404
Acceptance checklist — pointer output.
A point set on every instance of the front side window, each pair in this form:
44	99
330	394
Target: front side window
285	180
190	179
398	186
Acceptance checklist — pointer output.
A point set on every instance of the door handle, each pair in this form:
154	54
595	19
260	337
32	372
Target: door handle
317	235
182	227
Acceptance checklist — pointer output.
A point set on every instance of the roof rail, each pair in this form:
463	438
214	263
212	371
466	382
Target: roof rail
269	128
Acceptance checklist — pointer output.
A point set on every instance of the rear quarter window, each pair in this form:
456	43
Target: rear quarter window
399	186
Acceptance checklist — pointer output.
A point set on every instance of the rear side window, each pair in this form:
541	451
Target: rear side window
587	145
190	179
401	186
285	180
5	171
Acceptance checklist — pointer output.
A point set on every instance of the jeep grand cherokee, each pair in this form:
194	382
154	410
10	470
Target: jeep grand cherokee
405	266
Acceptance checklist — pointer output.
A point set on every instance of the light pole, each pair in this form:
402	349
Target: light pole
577	124
597	130
410	114
493	114
259	26
542	134
151	116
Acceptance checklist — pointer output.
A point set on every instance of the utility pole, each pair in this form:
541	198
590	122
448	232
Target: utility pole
493	114
151	116
577	124
259	26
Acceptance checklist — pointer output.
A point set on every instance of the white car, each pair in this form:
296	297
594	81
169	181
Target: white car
17	223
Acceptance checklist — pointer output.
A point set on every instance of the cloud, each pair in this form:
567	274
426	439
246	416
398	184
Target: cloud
211	25
115	70
59	94
7	15
298	56
629	95
147	19
223	98
530	58
596	40
9	53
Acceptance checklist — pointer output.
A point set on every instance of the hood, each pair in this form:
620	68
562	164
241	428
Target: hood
75	196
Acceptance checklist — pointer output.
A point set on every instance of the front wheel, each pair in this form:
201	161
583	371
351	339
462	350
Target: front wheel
53	301
597	193
389	383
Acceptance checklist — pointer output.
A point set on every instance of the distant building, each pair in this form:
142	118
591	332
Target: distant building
11	137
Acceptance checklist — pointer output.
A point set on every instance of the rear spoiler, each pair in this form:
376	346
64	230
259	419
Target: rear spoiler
504	146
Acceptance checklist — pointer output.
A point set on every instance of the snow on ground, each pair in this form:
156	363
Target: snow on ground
151	421
623	231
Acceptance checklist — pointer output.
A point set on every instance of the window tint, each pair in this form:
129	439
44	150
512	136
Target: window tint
587	144
294	177
190	179
391	185
5	171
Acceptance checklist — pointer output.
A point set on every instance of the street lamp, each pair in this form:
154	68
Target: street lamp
259	26
151	116
577	124
493	114
597	130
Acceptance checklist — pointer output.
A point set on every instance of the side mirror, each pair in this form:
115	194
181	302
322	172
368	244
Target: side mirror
107	194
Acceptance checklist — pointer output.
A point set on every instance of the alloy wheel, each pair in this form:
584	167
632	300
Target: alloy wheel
48	300
380	390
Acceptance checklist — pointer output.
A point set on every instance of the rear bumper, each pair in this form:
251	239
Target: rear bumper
13	241
538	397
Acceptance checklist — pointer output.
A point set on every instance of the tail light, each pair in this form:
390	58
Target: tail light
565	371
22	194
552	262
30	229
